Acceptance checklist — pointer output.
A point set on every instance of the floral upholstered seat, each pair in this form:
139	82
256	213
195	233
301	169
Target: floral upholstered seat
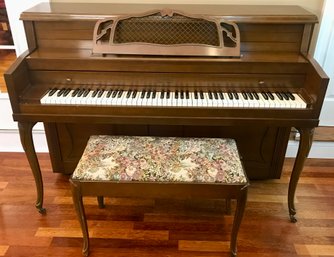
160	159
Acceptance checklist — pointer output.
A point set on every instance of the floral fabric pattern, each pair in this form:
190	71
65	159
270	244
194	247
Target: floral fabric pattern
160	159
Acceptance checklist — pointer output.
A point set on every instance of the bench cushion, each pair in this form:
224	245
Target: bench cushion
160	159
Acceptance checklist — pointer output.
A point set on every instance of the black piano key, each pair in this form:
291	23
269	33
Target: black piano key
134	93
100	93
250	96
120	93
230	95
256	96
201	95
196	94
187	94
265	96
182	94
86	92
215	95
270	95
143	94
75	92
176	94
95	92
235	95
285	96
80	93
244	95
154	94
109	93
221	95
52	91
168	94
60	92
67	91
210	95
114	94
280	97
128	94
162	94
148	94
290	95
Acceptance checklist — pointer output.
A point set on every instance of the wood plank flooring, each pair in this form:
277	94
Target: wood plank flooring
152	227
7	57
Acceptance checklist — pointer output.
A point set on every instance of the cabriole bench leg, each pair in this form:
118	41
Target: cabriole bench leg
239	212
79	207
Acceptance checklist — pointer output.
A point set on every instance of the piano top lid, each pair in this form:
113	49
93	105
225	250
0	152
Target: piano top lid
234	13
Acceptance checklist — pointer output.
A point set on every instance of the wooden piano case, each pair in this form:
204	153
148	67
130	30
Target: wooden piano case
271	38
262	148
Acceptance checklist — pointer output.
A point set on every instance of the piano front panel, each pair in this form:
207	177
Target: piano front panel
262	148
78	35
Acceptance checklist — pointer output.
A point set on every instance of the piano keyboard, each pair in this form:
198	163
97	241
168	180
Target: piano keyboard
178	98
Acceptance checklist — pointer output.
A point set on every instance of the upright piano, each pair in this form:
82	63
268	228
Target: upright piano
169	70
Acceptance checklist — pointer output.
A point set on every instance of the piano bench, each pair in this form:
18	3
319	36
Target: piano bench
159	167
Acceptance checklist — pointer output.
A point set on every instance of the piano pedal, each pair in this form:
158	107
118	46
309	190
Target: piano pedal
294	135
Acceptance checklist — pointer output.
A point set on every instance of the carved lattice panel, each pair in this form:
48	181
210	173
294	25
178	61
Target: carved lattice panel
167	33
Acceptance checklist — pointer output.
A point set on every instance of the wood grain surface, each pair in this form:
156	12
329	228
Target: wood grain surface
153	227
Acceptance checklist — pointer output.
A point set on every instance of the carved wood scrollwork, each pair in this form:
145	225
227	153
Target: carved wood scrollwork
167	32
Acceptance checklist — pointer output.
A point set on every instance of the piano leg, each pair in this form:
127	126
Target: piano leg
305	143
25	129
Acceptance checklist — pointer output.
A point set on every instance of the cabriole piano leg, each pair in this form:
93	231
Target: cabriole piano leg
305	143
25	129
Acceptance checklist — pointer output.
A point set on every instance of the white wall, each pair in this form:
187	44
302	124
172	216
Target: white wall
9	138
14	9
311	5
324	54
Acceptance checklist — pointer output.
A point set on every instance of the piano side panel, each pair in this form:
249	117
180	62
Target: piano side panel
17	80
30	35
263	148
316	84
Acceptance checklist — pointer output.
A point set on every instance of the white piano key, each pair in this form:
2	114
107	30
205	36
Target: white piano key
149	98
238	101
263	102
44	99
119	97
157	101
135	96
189	101
300	102
64	98
207	101
104	98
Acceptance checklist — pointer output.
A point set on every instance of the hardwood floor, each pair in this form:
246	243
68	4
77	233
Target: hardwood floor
7	57
148	227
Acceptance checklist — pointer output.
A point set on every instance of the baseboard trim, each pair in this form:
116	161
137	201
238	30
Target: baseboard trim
10	142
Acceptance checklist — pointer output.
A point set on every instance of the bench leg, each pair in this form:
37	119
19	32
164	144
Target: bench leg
100	200
79	207
239	212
